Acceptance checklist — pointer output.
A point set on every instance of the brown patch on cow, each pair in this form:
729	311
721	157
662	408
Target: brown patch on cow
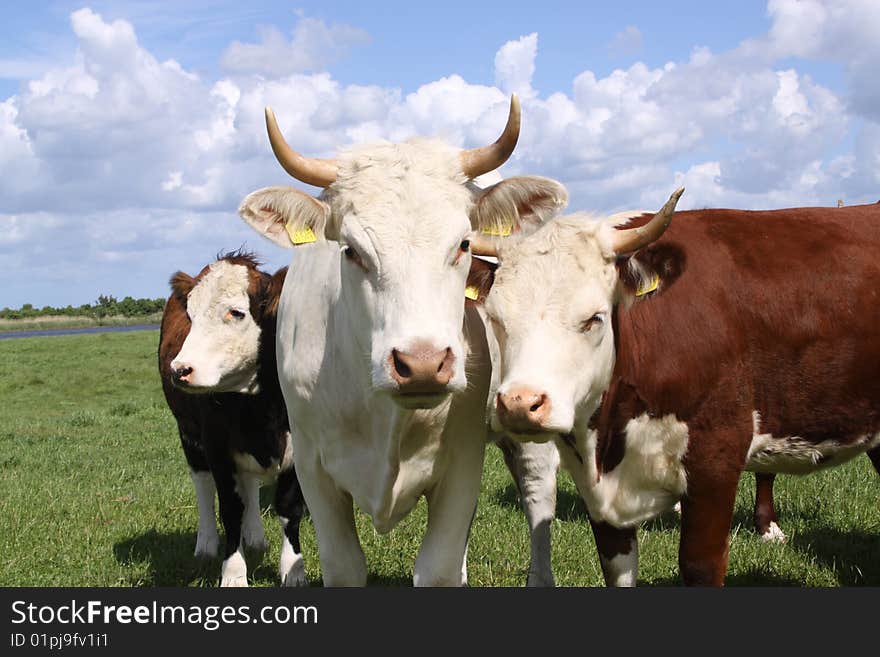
612	541
481	276
765	511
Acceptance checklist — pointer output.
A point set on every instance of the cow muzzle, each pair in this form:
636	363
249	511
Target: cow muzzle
422	370
181	374
523	410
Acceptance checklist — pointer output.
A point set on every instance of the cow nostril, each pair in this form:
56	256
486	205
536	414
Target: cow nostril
446	362
400	367
534	407
180	373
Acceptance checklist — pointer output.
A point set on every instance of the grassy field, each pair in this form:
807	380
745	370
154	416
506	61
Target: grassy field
94	490
49	322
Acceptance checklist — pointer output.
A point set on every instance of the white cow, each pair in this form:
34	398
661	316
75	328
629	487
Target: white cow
384	370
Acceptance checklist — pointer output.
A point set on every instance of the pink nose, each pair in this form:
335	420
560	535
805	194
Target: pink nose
522	410
181	373
422	370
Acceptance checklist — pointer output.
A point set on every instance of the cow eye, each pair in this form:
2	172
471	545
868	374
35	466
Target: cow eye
353	256
594	321
236	314
465	245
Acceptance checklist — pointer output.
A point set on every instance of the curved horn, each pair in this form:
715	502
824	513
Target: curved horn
477	161
483	246
311	171
633	239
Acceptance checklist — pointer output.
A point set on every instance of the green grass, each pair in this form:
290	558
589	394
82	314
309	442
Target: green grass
94	490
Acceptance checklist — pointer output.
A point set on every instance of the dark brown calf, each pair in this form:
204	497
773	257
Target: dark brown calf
232	440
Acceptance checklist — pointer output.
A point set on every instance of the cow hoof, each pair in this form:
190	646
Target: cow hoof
292	568
296	576
207	547
234	571
541	580
235	581
773	534
257	547
254	538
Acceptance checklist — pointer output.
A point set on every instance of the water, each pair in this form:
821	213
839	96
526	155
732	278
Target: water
75	331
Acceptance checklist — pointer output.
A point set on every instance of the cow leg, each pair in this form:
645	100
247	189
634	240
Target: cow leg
289	506
706	514
332	512
234	569
451	509
874	455
207	539
618	553
252	533
534	467
766	522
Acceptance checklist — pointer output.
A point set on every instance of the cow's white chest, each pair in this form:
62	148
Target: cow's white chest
385	463
649	479
795	455
245	463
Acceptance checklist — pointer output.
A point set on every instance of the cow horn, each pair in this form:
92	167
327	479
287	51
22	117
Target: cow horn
477	161
312	171
483	246
633	239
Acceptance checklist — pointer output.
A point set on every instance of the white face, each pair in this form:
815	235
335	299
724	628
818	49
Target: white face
403	273
221	349
550	311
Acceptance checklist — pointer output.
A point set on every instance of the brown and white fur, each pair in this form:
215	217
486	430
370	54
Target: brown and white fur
757	349
219	376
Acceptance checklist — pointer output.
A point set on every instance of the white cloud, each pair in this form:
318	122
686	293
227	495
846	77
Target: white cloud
117	166
313	46
840	31
515	65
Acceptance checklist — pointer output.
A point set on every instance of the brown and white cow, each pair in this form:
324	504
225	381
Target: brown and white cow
672	359
218	369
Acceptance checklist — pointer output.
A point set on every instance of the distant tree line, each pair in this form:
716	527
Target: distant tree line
105	306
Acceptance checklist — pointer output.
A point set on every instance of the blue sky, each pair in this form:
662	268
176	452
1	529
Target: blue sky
129	131
409	42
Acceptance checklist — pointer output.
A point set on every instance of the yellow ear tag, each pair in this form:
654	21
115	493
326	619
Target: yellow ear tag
649	287
472	293
503	231
300	235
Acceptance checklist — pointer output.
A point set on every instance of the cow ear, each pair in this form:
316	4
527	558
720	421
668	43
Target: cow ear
521	203
273	291
287	216
181	285
480	278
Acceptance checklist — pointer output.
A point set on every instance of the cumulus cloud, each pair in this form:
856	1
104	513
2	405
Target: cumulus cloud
313	46
117	167
515	65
